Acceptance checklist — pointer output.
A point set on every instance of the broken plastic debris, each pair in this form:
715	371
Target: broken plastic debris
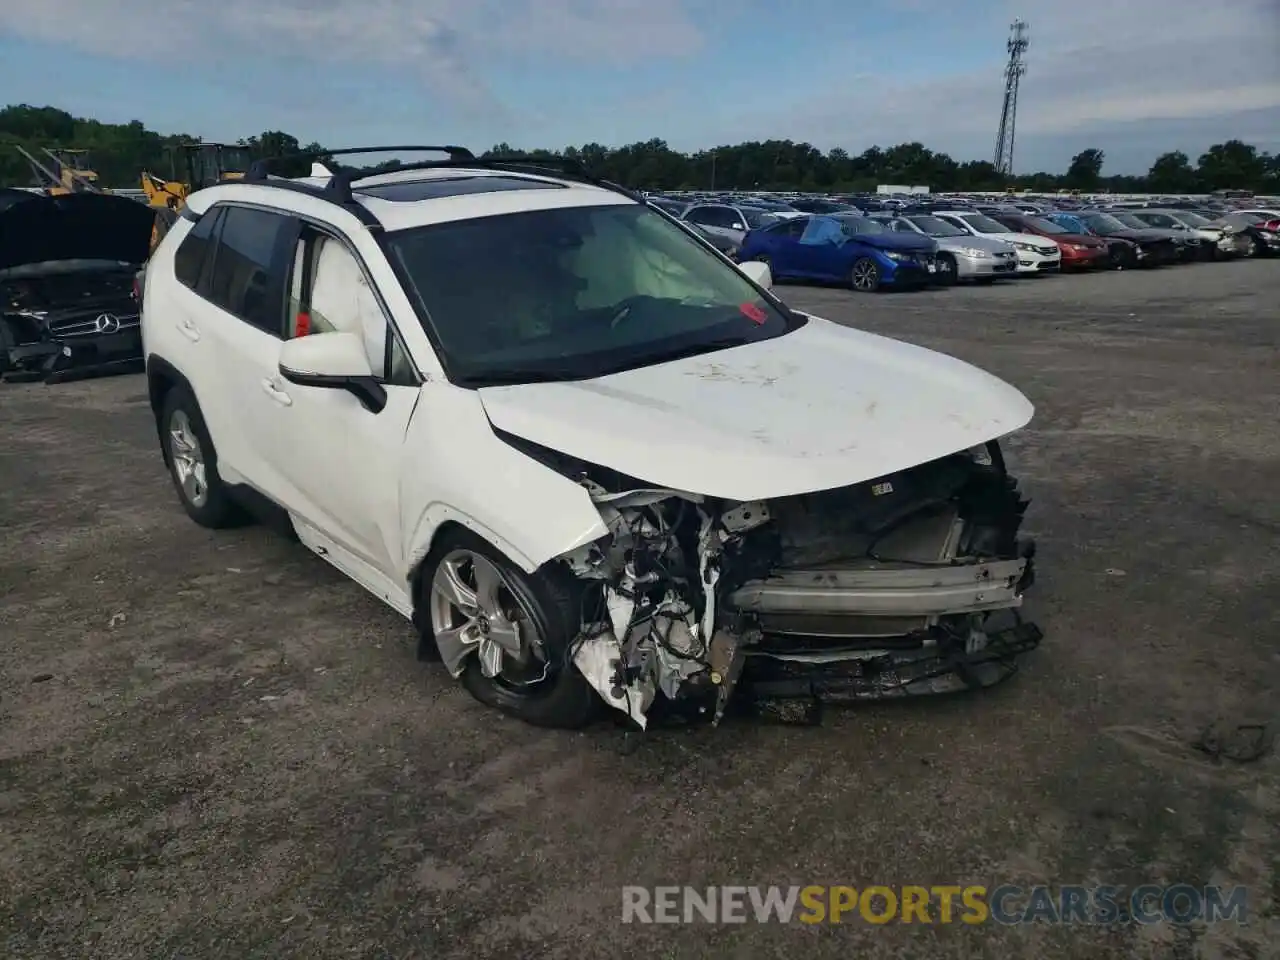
116	618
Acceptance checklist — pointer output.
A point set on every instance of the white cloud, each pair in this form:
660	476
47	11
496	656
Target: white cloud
384	31
1129	76
440	39
1117	70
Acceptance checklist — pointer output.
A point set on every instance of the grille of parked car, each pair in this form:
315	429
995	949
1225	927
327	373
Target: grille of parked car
91	323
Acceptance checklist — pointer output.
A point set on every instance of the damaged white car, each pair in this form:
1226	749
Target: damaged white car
591	458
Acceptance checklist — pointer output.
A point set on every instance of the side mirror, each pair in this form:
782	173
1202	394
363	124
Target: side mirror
757	272
333	361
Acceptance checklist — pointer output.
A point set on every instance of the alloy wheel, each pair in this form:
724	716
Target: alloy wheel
473	609
187	459
865	276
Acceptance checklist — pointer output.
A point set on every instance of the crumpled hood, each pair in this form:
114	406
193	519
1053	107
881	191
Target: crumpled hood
77	226
822	407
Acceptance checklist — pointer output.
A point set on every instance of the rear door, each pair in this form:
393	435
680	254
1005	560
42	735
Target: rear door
247	291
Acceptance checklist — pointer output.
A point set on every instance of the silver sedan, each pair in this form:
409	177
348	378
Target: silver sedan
981	259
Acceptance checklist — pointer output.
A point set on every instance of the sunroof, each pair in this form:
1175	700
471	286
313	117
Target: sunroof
435	187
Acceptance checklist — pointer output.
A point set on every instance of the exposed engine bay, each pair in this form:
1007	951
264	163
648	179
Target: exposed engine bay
70	316
67	301
907	584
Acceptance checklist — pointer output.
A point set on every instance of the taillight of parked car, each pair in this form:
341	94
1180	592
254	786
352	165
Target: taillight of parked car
1271	224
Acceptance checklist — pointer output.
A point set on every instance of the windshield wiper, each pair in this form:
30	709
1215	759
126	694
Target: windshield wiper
517	377
680	353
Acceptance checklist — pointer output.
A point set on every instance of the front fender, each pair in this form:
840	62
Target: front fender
458	471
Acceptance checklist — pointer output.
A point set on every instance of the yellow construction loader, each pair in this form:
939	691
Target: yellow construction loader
62	171
191	167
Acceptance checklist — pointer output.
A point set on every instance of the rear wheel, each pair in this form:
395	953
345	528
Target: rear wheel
865	275
516	630
193	463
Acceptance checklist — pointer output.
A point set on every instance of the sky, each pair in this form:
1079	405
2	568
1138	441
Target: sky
1134	78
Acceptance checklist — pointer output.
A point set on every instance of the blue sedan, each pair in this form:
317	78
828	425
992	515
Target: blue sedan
844	248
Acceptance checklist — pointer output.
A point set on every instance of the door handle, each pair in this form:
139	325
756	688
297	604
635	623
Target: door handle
189	330
275	393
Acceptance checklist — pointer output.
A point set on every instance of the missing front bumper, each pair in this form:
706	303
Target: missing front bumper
940	665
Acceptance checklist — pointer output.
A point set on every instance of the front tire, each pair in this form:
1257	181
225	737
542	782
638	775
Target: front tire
193	463
865	277
948	271
471	592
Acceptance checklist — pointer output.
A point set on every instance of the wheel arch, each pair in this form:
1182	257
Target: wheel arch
443	523
162	379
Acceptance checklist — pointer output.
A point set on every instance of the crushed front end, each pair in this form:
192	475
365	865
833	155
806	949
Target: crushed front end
908	584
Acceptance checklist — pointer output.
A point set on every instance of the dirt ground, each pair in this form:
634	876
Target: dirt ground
212	745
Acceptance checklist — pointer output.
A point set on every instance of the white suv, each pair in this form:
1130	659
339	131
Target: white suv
590	458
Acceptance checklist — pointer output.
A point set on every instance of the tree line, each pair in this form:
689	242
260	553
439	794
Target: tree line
120	152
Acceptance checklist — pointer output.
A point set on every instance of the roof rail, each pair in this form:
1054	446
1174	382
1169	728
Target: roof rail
338	189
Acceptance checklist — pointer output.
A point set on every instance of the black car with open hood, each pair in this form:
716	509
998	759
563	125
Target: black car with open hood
67	267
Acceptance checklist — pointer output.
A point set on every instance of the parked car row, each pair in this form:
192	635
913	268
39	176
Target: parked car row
942	242
69	306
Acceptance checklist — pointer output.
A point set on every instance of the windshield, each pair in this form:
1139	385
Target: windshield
1104	222
1158	220
574	293
756	217
853	226
936	227
773	205
984	224
1193	219
1048	226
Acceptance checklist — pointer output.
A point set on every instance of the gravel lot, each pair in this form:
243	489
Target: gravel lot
234	752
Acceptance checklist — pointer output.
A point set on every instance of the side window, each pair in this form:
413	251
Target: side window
900	226
252	262
196	249
726	217
340	299
792	228
701	215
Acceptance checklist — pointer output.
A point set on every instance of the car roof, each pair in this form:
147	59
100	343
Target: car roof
401	200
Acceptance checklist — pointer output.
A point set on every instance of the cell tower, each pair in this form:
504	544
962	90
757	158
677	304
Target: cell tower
1019	40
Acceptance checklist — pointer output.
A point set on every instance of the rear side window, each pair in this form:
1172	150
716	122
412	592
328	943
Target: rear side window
195	250
255	249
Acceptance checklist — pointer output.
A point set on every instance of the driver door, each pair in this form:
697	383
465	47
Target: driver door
341	461
823	244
